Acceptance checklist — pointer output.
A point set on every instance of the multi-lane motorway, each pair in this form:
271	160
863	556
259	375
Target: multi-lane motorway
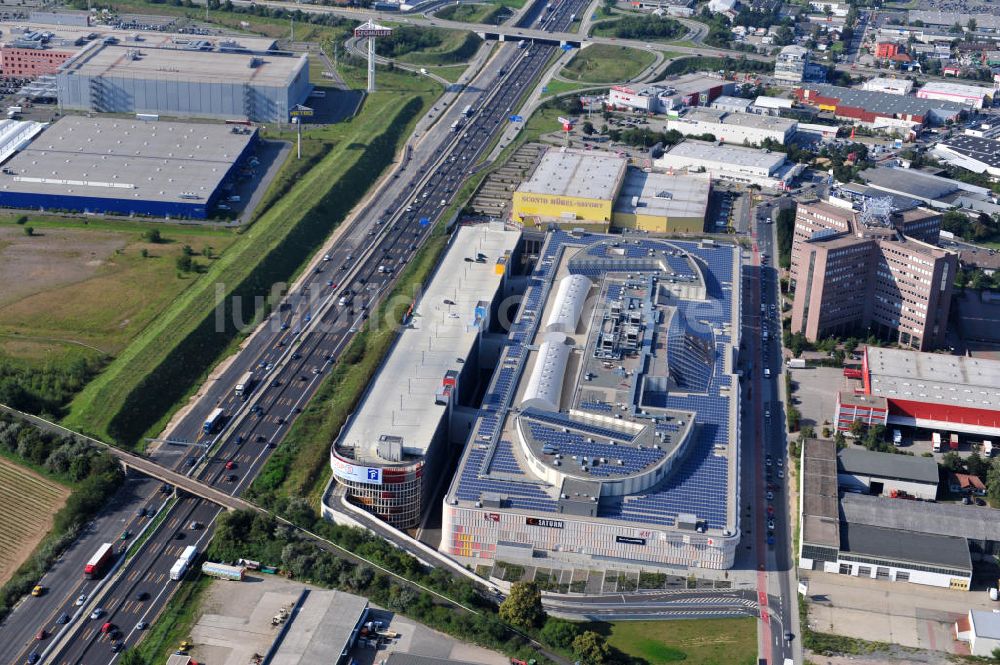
289	355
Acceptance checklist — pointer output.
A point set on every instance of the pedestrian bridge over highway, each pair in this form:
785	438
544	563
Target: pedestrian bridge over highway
144	465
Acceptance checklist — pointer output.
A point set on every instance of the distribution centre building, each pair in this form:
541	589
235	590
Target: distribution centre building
661	203
119	78
126	167
737	128
610	429
929	391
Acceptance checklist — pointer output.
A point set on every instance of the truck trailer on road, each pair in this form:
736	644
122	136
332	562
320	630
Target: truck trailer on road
186	558
213	421
102	557
245	385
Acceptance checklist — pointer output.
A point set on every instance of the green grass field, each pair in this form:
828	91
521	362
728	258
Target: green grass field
602	63
694	642
555	87
266	246
93	290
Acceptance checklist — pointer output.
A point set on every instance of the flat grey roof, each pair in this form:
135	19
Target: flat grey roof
909	182
400	400
728	100
319	632
905	546
944	519
125	159
580	173
820	516
185	65
887	465
728	154
958	380
950	18
664	195
719	116
883	102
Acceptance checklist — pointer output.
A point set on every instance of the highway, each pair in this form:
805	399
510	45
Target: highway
289	355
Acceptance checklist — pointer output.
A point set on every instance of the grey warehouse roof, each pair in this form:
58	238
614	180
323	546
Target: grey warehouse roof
909	182
566	172
905	546
943	519
670	196
728	154
884	102
887	465
957	380
125	159
185	65
982	150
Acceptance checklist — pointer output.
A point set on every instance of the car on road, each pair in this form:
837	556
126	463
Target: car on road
770	524
230	465
770	495
38	590
789	637
141	596
80	600
142	625
117	647
231	478
41	634
97	613
770	540
781	474
63	619
33	658
179	535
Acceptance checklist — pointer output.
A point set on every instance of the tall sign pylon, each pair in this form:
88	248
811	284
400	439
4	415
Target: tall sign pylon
370	30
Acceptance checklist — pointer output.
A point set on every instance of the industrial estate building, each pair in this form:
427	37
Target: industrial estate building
675	93
738	128
610	428
594	187
899	86
977	154
882	111
934	392
125	167
921	551
110	78
969	95
736	163
392	452
981	629
894	476
854	273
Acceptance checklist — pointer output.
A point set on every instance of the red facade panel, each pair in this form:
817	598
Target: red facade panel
944	412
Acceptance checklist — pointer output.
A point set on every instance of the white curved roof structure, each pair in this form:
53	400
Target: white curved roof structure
568	305
545	383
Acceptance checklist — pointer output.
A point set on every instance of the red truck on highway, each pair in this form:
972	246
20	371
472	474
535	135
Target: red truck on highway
102	557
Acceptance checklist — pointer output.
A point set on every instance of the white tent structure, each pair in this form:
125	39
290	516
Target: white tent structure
544	390
568	305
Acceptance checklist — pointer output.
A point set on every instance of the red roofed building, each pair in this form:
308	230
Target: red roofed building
884	50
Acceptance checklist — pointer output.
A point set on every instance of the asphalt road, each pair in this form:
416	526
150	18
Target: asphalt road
288	356
776	576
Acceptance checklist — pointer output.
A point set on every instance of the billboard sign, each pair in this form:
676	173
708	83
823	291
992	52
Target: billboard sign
359	474
548	524
630	540
372	29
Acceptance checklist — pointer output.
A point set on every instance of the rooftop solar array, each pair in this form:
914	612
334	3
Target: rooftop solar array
698	482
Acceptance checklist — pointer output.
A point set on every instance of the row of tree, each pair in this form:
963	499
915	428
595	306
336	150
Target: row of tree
46	388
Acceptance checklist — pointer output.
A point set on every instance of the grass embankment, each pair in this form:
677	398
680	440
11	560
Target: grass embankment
469	13
457	47
556	87
695	642
139	389
602	63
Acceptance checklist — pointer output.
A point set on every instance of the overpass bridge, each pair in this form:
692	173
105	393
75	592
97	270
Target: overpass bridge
143	465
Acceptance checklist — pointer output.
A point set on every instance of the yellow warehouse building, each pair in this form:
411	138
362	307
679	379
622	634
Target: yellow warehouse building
586	187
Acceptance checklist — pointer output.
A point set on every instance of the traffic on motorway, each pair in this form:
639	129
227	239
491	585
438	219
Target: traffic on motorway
226	438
